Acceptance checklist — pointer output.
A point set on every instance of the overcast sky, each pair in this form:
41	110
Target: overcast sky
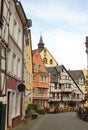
64	27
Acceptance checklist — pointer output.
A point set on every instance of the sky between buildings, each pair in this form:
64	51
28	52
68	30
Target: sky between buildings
63	25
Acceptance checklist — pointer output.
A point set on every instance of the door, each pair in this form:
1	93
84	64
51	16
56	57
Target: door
0	113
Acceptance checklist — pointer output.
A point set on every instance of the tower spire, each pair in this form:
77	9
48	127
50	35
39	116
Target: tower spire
41	44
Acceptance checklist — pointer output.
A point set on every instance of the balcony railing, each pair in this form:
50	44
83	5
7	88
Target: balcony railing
66	90
76	99
40	96
51	99
63	81
55	90
66	99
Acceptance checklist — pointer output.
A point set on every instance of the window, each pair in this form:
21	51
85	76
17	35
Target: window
45	60
57	96
2	49
16	98
40	103
62	70
27	41
9	57
51	61
14	65
3	83
1	11
41	91
59	86
33	66
34	78
81	80
13	104
53	95
36	66
43	79
18	103
15	30
11	23
54	77
68	86
19	68
19	38
0	6
39	67
44	50
55	86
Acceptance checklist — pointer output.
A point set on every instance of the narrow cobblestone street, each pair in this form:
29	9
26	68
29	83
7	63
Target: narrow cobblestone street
61	121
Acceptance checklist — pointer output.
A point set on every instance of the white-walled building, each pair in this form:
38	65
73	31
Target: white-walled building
63	89
17	21
4	33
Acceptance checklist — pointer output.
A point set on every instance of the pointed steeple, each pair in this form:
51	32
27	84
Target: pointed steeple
41	44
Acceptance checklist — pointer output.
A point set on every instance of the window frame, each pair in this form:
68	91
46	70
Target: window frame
1	13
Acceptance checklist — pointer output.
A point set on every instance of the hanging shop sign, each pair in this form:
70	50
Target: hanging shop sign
21	87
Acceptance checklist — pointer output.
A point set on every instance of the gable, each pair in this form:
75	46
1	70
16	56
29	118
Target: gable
78	76
38	64
50	59
54	74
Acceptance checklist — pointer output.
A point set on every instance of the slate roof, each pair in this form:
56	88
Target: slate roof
59	68
50	69
75	74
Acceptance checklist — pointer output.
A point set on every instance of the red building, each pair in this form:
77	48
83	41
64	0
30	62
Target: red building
40	81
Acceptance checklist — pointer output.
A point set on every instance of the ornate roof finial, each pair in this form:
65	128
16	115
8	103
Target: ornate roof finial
41	44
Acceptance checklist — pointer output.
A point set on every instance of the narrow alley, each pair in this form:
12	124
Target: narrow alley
61	121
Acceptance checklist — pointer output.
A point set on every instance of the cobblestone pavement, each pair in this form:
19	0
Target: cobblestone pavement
61	121
30	123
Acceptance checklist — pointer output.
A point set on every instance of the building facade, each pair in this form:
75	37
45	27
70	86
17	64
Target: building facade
28	76
47	58
63	89
79	78
17	22
85	72
40	81
4	27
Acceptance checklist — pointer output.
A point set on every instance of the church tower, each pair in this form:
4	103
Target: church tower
41	44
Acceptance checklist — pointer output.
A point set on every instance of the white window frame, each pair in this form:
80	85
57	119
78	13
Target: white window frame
9	60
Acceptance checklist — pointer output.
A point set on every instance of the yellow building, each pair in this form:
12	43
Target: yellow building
28	69
47	58
86	80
